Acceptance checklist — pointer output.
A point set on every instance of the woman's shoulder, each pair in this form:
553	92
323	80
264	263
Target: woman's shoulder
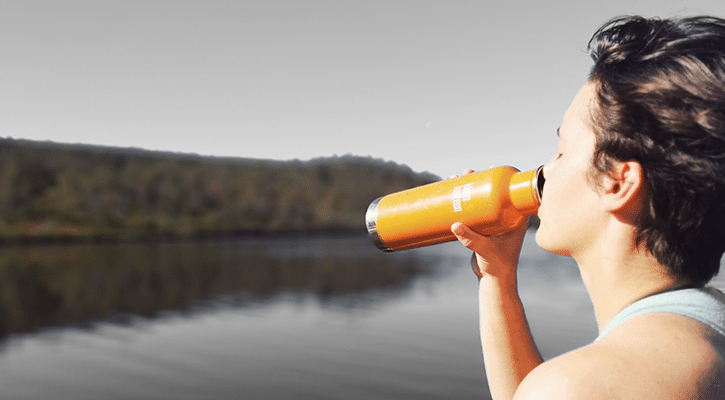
655	355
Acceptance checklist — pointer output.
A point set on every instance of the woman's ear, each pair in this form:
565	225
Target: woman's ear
624	188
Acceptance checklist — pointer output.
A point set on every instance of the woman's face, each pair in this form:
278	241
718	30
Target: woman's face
570	213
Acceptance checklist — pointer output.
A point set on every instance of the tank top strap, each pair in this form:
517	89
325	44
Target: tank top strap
706	305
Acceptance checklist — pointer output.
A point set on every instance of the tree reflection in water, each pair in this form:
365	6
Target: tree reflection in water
78	285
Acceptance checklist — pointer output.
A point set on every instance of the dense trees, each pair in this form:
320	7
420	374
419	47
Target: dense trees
50	190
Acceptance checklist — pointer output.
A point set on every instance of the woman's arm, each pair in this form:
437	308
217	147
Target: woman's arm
509	351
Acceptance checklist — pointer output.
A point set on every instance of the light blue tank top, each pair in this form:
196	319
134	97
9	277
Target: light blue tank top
706	305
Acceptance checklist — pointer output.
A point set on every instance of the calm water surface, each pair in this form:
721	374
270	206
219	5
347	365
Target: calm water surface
285	318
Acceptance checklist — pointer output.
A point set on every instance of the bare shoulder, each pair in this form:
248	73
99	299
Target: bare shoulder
584	373
661	356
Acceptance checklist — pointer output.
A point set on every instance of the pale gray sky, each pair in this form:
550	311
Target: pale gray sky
438	85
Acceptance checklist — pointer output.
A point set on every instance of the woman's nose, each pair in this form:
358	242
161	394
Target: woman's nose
547	167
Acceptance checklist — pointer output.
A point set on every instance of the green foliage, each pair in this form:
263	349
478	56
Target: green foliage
52	191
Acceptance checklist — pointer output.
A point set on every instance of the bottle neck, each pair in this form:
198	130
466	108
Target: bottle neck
525	190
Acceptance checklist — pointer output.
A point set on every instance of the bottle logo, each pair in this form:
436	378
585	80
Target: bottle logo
460	194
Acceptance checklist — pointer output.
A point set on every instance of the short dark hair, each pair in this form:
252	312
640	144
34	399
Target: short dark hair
660	101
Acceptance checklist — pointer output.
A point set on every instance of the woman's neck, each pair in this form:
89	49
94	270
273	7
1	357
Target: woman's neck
617	276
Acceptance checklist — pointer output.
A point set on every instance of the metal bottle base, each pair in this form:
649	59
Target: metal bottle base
371	217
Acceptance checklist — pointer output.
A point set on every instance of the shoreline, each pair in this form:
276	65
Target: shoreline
159	238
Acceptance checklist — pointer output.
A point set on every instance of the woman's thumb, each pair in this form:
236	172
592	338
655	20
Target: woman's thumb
464	234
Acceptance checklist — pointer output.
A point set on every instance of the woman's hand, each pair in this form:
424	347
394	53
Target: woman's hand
495	256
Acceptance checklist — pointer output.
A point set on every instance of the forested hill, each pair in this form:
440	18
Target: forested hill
57	191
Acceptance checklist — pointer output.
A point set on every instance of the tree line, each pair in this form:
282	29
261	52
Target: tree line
55	191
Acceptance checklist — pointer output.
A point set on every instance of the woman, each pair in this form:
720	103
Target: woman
636	196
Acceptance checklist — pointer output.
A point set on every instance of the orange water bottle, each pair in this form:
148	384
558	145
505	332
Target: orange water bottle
489	202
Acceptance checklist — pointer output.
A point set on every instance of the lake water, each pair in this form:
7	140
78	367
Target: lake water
283	318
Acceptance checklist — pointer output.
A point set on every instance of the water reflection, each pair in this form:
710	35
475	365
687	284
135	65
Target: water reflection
302	317
44	286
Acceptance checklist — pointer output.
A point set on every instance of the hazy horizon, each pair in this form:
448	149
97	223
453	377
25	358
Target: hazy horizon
437	85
